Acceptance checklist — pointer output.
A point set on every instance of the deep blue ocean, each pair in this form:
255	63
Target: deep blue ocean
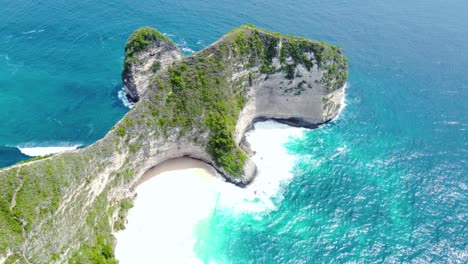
385	182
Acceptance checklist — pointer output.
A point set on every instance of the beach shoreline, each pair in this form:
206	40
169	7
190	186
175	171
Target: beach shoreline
172	198
176	198
197	167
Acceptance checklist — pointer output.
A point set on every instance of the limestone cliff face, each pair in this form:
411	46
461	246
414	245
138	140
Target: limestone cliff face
299	101
292	80
144	57
66	207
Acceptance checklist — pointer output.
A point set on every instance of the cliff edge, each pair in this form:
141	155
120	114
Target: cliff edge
146	52
66	207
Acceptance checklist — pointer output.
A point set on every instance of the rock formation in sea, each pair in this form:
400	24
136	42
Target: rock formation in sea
146	52
67	206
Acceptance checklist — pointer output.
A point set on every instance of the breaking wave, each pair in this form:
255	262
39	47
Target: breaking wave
34	151
122	94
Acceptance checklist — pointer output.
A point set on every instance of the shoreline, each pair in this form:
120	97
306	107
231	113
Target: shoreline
172	198
170	209
198	167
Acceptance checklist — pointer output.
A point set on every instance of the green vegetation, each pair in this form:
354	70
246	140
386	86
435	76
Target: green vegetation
99	248
337	74
139	40
13	259
190	97
125	205
262	46
10	226
70	202
221	145
35	158
196	94
121	131
100	253
155	66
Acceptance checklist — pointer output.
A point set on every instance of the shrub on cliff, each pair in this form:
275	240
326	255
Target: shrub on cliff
140	39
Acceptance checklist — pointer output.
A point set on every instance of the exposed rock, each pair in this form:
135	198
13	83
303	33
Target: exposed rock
142	62
199	106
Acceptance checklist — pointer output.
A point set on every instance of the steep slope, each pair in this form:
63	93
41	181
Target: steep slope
66	207
146	52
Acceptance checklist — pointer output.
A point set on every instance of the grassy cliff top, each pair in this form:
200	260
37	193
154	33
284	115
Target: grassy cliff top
67	206
142	37
330	58
197	93
140	40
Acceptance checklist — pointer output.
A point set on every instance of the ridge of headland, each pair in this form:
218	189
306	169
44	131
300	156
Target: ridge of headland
66	207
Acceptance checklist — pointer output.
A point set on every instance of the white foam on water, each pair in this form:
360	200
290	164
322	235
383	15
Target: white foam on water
342	103
274	170
187	50
122	94
184	47
339	152
5	56
33	31
161	225
170	207
41	151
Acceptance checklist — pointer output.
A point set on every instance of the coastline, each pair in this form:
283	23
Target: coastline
37	151
197	167
172	198
176	200
83	184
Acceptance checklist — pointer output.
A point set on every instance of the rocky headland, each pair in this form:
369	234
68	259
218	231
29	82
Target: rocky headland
66	207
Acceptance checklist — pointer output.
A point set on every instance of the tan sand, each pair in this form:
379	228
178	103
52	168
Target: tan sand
197	167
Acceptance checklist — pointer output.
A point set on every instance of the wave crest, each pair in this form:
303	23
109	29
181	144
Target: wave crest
274	165
35	151
122	94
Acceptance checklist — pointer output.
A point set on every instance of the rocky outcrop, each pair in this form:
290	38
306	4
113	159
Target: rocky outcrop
300	101
292	80
66	207
147	52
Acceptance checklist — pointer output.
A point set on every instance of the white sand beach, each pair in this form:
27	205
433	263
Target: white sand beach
178	197
171	199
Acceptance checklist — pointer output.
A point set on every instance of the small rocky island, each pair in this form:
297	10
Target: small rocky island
66	207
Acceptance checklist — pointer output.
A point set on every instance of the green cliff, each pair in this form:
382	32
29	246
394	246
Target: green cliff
66	207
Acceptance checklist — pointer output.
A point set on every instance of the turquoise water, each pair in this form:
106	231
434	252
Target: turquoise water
386	182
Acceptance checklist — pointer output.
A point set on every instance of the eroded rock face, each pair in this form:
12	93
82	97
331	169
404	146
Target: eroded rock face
67	207
156	56
300	101
292	80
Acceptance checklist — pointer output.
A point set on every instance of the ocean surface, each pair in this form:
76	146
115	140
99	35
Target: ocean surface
385	182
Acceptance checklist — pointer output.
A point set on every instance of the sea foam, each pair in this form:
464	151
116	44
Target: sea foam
343	102
274	170
45	150
32	31
174	209
122	94
185	48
